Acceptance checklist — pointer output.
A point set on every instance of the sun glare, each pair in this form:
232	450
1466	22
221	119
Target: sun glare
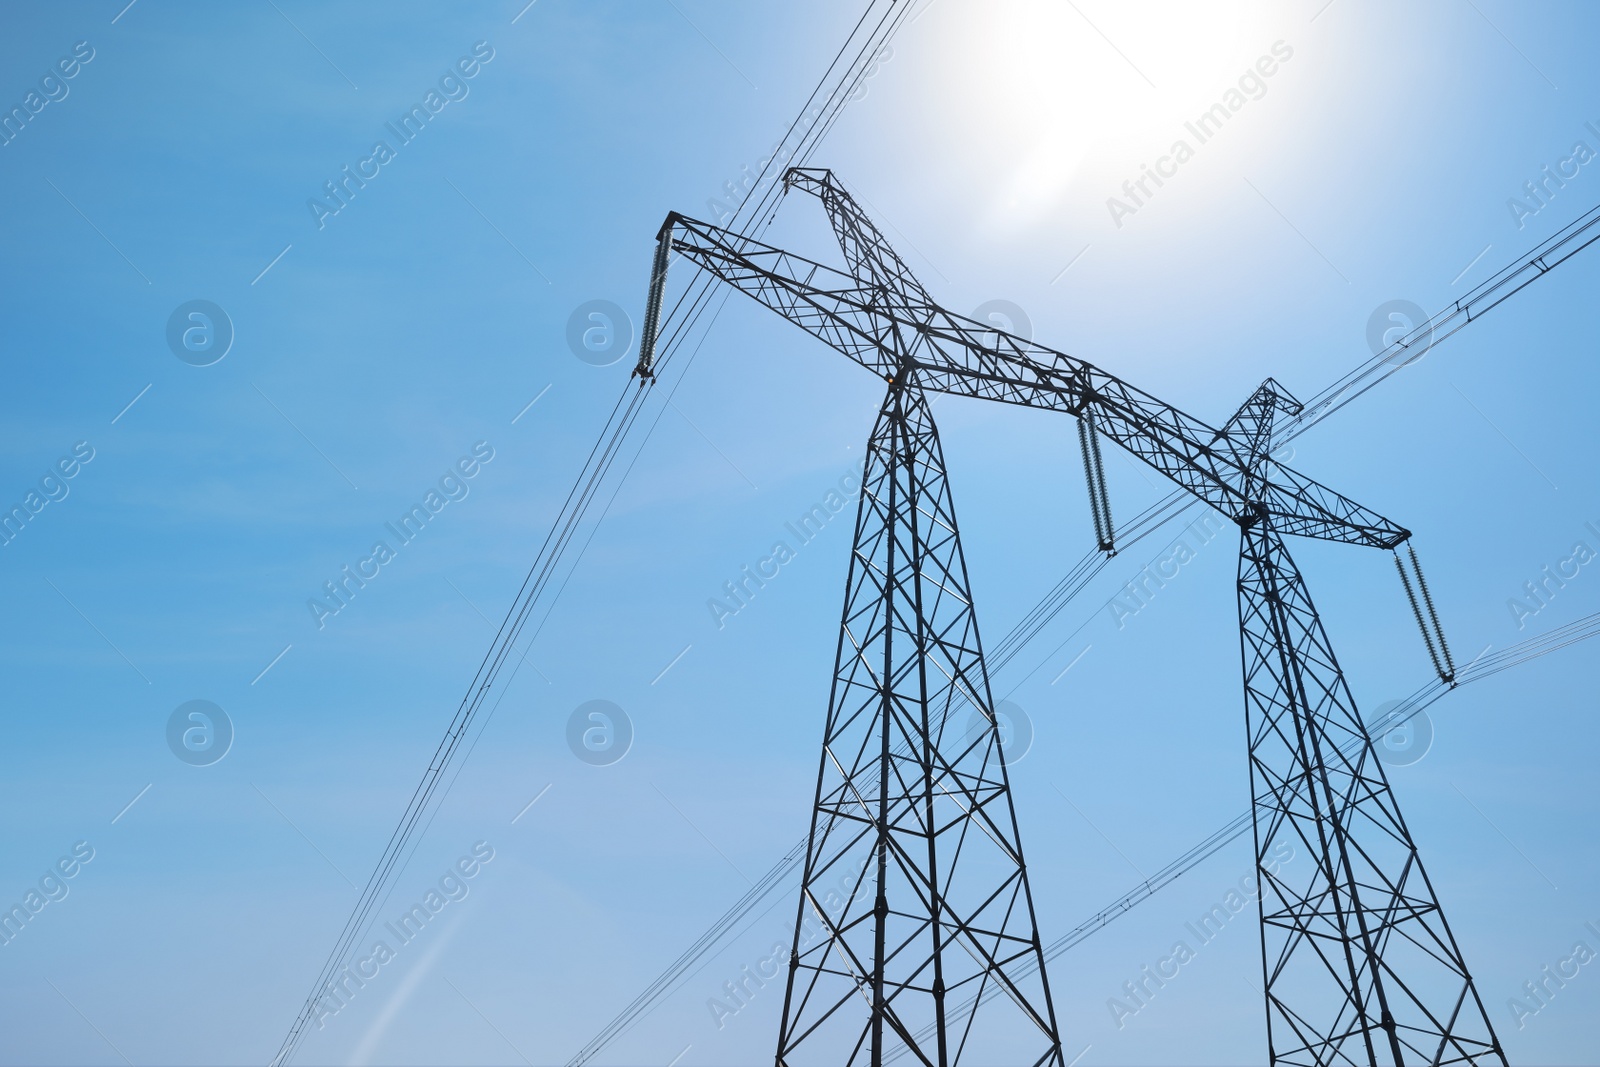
1056	81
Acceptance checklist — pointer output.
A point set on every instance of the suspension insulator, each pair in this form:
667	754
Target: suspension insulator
1449	672
645	368
1095	475
1428	624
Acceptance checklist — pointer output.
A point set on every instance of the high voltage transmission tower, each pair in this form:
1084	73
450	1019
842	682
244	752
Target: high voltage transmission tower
934	951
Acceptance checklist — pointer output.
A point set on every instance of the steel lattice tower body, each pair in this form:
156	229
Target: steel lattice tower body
1360	966
915	895
1359	963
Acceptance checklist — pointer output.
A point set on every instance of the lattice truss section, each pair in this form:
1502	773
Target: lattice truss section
891	326
1359	963
913	811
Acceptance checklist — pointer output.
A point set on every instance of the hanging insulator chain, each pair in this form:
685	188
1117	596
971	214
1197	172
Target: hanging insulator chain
1088	475
1411	596
1100	483
1449	672
1094	473
1444	667
652	308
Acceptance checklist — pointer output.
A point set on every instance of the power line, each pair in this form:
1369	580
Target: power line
585	489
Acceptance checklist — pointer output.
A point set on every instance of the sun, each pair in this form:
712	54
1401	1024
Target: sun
1052	82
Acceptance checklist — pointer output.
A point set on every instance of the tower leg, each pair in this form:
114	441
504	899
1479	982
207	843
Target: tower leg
1358	962
915	896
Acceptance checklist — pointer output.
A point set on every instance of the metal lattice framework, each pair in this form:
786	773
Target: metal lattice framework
1359	964
872	322
914	872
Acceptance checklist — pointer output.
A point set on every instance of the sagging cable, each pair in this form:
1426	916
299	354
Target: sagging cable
1094	474
1432	631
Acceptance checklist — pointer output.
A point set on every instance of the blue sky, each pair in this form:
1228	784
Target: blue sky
374	352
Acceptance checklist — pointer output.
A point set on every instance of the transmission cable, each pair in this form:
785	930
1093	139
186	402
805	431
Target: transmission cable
571	516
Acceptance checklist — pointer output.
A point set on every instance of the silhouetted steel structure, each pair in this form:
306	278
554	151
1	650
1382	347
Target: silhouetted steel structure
1358	961
913	832
914	871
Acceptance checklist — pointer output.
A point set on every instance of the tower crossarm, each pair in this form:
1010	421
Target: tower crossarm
892	330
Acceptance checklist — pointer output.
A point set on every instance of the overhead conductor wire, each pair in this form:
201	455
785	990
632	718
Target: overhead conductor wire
1486	296
749	218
